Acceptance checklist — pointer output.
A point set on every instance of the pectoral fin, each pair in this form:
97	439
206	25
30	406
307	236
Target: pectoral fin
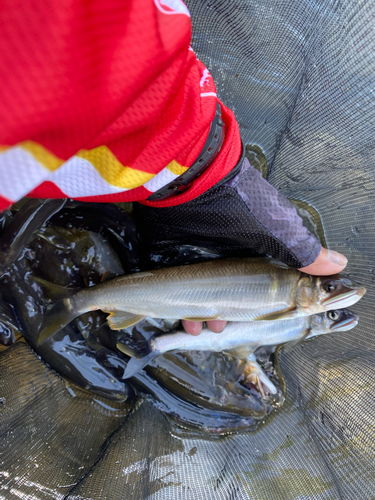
253	374
285	314
118	320
306	333
136	365
243	351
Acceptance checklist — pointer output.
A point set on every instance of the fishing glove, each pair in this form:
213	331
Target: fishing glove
243	215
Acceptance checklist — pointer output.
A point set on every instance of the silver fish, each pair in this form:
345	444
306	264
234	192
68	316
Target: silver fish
238	338
230	289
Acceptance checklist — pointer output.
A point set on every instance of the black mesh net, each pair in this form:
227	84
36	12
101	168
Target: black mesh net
299	76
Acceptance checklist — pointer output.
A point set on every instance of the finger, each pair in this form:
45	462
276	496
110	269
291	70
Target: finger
328	262
216	325
192	327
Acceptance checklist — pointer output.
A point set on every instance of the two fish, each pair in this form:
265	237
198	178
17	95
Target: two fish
250	292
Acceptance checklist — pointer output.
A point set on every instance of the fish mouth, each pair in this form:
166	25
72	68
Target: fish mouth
344	299
346	324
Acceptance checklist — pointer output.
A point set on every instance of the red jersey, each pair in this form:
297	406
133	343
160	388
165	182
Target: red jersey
104	100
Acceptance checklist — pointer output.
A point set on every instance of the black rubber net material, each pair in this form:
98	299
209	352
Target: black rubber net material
299	76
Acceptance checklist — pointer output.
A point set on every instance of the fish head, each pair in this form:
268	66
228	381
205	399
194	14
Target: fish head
317	294
340	320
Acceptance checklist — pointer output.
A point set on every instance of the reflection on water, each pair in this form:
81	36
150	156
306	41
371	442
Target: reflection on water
207	390
85	244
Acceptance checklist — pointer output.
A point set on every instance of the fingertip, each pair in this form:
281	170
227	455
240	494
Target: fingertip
337	258
192	327
216	326
328	262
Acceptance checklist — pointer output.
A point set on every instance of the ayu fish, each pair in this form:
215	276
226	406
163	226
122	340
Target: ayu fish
237	338
231	289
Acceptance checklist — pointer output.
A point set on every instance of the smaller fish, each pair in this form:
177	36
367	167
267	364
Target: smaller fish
239	338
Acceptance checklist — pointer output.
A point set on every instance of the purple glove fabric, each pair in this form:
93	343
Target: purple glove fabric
276	214
241	216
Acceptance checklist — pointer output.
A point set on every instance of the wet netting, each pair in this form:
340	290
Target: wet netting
300	77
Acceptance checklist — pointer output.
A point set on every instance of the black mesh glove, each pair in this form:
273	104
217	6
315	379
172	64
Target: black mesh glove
240	216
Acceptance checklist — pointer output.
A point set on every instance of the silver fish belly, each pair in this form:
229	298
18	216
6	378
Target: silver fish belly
235	334
237	290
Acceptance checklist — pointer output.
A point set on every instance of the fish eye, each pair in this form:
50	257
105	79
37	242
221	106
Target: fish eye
329	286
334	315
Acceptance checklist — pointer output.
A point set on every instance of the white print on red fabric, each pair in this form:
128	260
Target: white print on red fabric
205	77
207	84
172	7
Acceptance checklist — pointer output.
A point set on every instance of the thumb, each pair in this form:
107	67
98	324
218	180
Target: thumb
328	262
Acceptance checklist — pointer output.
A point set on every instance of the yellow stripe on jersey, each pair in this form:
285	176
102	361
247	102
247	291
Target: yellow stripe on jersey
41	165
176	168
112	170
42	155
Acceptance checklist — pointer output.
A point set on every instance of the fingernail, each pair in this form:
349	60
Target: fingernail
337	258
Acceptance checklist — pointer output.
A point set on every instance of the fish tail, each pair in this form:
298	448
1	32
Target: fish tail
141	354
265	385
58	315
134	348
135	365
54	292
255	375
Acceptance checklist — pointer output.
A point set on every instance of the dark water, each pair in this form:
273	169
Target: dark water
76	245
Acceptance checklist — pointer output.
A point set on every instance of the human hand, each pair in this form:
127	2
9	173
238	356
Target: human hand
237	218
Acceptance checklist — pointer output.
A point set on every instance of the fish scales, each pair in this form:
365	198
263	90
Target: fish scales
238	338
222	288
236	334
228	289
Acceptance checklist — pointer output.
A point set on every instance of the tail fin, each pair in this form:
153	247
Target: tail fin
54	292
141	353
135	347
255	375
135	365
265	385
58	315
